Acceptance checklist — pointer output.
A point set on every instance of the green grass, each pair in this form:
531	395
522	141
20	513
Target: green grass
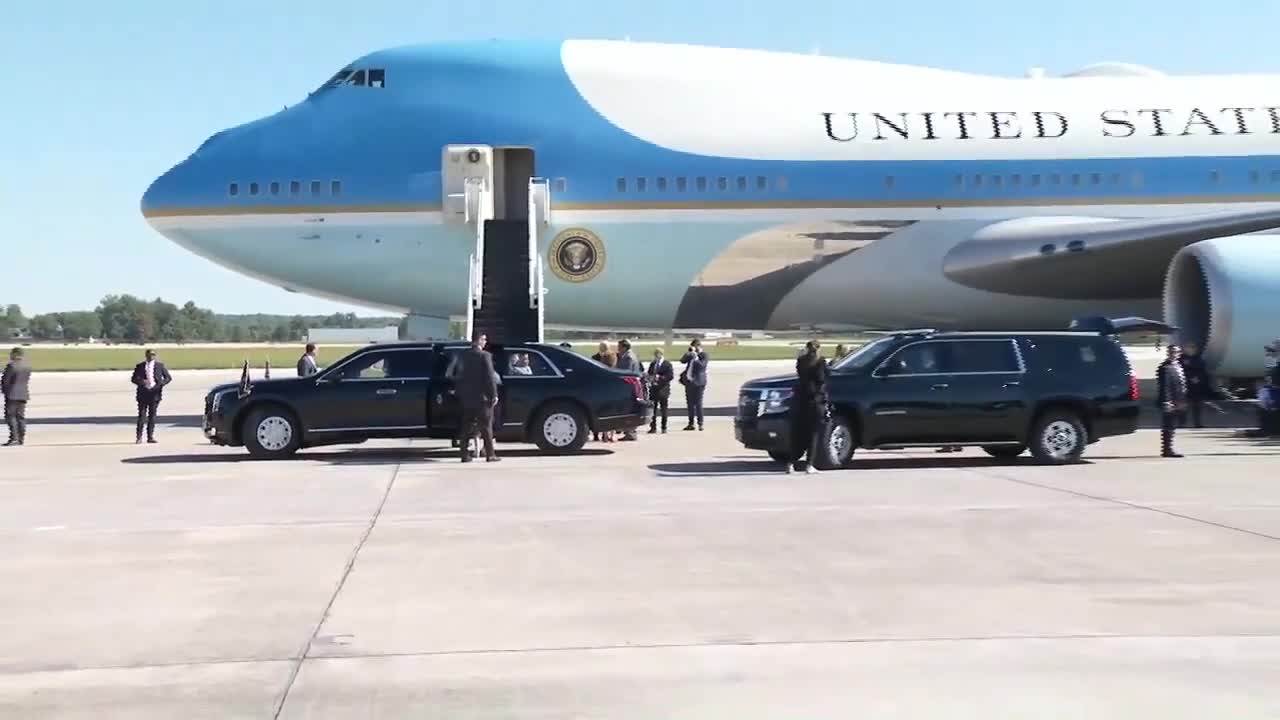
285	357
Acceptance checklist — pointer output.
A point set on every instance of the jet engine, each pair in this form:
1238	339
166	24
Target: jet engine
1224	295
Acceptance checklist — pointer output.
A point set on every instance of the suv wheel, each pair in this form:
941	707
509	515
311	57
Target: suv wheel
1058	438
559	428
1004	452
271	433
836	445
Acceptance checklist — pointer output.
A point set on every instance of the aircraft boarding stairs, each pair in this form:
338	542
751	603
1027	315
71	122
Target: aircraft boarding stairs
505	292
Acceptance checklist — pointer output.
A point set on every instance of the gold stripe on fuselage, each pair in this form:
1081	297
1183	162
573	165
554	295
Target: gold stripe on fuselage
733	205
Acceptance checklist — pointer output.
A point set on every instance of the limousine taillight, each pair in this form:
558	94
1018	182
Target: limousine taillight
636	386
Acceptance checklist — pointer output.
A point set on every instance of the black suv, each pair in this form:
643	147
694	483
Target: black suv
1052	392
547	395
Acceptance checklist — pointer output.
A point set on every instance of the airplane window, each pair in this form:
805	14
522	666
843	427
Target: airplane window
1075	179
1035	181
561	184
275	188
682	184
641	184
622	184
1057	179
1096	178
253	188
335	188
722	183
1254	177
1215	176
888	181
1137	179
782	184
295	187
357	78
997	180
1015	180
233	189
959	180
315	187
338	79
702	184
377	78
977	181
1115	178
662	184
762	182
742	183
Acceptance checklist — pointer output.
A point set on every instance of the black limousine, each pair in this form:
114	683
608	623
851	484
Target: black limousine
548	395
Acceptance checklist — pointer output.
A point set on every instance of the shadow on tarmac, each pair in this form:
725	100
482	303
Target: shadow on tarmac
364	456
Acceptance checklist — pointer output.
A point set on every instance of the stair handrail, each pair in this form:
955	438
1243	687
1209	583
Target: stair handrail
471	291
477	295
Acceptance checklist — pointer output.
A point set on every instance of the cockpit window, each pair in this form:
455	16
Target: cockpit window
357	77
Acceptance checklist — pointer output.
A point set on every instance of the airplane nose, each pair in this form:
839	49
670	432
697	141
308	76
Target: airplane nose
157	196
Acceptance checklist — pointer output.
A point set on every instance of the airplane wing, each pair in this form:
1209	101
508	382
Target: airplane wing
1079	258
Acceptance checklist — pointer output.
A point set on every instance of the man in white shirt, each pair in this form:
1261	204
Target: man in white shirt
149	376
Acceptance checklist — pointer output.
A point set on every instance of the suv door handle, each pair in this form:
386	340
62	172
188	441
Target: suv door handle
1015	383
387	391
941	386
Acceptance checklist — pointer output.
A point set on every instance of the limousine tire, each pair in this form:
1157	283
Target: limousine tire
560	428
271	433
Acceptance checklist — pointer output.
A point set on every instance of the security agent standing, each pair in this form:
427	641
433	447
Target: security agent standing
1199	385
307	363
808	407
478	393
17	375
1171	396
694	379
627	360
149	376
660	376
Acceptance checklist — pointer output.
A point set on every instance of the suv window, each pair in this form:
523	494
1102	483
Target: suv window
369	366
1077	356
926	358
984	356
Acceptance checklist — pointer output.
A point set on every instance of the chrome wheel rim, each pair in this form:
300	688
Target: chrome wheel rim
560	429
840	444
1060	439
274	433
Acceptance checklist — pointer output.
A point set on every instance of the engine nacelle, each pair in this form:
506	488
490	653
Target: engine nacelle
1224	295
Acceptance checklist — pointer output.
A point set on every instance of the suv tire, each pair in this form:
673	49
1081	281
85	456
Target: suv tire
836	444
271	433
559	428
1004	452
1058	438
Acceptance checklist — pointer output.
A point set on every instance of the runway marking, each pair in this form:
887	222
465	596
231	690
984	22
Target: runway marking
48	528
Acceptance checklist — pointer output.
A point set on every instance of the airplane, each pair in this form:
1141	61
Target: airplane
597	183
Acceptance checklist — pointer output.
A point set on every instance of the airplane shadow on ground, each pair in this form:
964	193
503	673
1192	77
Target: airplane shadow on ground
359	456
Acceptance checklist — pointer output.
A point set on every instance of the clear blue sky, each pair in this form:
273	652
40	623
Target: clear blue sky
101	97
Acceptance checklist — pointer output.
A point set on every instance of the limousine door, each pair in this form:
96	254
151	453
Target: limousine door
381	393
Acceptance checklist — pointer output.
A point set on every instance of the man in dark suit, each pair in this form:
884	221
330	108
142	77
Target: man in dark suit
694	379
149	376
660	376
478	394
17	374
1171	396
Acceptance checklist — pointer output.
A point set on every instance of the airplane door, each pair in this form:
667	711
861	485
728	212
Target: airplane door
466	181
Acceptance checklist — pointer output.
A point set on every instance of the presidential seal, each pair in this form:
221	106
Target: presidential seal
576	255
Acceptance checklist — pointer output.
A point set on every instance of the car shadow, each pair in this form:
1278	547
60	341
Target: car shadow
183	421
360	456
860	462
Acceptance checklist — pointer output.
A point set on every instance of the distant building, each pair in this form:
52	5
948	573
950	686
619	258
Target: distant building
353	336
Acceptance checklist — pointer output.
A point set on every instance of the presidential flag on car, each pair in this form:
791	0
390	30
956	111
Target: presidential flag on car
244	380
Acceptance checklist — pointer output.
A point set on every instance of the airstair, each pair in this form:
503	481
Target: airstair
505	288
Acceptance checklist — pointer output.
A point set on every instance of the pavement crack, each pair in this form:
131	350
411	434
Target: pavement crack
342	581
1135	506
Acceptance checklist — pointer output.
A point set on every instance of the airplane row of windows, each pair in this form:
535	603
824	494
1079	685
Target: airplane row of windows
294	188
1038	180
375	78
741	183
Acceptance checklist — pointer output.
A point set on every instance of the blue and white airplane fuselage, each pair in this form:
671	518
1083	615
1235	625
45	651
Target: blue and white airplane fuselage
698	187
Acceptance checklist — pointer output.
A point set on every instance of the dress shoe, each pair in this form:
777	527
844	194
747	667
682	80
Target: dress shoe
1171	455
493	458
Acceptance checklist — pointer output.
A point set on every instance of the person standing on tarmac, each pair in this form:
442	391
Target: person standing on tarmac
627	360
808	407
307	363
660	376
1199	385
1171	396
694	379
478	391
17	375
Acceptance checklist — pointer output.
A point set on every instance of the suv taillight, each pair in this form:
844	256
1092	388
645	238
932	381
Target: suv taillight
636	387
1133	387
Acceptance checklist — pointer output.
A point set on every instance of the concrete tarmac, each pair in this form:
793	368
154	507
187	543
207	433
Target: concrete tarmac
679	576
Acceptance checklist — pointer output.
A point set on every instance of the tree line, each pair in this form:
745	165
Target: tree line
128	319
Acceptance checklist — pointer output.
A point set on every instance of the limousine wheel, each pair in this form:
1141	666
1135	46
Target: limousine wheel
560	428
1058	438
270	433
